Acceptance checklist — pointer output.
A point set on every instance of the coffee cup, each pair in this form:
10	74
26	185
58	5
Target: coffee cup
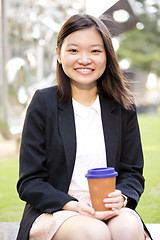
101	182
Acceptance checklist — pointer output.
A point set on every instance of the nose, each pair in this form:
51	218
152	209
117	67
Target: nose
84	59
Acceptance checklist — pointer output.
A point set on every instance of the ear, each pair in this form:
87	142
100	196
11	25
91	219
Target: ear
58	55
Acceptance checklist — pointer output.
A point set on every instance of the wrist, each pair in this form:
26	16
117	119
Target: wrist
125	200
71	205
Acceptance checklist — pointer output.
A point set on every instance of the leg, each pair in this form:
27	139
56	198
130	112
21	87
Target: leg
126	226
82	227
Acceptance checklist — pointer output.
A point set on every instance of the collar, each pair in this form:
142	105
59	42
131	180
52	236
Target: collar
83	111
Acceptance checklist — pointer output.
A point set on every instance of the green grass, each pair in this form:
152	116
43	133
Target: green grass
10	204
149	205
11	207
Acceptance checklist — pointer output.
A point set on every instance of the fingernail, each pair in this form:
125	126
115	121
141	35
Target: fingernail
107	205
92	212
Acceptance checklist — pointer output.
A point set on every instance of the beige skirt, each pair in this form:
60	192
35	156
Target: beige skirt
46	225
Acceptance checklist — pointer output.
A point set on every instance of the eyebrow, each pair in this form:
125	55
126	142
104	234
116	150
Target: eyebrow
97	45
72	44
93	45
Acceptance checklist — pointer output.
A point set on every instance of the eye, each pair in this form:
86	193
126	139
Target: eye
96	51
73	50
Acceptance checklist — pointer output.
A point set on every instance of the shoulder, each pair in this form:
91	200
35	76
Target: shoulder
43	105
46	96
43	100
129	115
115	107
48	92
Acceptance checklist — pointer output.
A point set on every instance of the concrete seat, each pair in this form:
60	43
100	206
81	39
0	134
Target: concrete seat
8	230
154	229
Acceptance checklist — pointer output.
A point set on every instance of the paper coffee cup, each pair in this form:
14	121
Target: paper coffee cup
101	182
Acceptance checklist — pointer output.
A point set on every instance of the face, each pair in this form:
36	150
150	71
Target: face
83	57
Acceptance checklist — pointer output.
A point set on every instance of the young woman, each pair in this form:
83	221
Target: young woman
88	120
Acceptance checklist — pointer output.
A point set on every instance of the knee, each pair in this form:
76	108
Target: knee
126	225
99	231
133	224
83	227
92	229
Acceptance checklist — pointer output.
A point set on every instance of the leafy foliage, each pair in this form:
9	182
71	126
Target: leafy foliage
142	47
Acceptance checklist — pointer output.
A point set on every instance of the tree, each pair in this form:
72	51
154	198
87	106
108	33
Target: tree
142	47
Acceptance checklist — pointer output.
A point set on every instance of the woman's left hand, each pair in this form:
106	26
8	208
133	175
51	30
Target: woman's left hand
114	200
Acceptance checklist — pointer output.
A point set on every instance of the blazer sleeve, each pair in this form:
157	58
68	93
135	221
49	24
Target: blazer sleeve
32	185
130	175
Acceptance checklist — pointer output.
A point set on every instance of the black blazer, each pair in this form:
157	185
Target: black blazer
48	150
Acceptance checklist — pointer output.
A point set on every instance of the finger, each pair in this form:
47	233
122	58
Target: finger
116	206
113	199
114	213
114	202
116	193
106	215
84	208
89	203
88	210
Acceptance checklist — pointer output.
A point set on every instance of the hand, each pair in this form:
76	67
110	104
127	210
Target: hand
105	215
86	209
80	207
115	200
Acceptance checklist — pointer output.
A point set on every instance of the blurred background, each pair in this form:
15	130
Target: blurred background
28	31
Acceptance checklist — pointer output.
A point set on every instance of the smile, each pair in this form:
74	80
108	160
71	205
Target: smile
84	70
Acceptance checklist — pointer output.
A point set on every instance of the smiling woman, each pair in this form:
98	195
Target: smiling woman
88	121
112	82
83	61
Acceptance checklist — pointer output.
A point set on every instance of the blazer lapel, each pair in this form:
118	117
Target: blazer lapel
110	122
110	127
68	134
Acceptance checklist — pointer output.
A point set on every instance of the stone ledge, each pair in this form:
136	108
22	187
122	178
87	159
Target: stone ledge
8	230
154	229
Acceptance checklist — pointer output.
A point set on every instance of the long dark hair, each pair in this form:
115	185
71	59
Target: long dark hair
112	83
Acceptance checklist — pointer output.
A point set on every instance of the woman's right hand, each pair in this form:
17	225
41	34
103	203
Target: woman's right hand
80	207
86	209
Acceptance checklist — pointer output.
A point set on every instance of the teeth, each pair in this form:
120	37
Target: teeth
84	70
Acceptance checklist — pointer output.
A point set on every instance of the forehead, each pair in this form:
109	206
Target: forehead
88	36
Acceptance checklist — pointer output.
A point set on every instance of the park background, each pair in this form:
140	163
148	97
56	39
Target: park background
27	55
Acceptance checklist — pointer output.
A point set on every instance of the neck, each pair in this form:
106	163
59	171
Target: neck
84	97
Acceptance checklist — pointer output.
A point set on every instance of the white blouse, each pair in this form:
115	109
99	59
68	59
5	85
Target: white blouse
91	152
